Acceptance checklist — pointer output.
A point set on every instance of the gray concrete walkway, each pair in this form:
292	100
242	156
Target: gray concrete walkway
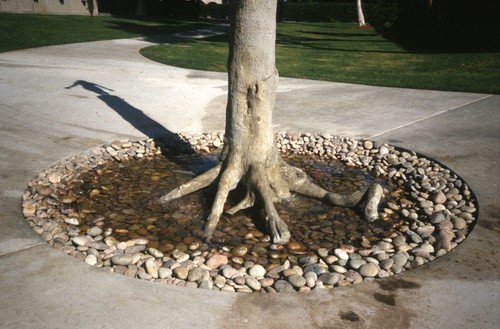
52	106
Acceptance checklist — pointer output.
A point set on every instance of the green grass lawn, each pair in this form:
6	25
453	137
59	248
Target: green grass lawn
344	53
323	51
18	31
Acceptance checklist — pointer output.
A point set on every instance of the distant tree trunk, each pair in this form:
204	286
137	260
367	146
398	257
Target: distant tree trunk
250	156
92	8
361	17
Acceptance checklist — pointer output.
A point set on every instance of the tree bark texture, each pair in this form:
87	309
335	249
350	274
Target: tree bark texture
361	17
249	156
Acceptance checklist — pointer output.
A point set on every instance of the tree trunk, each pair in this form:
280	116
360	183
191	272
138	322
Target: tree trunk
249	151
250	156
361	17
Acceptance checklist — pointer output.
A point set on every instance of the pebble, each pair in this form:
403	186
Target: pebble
323	252
54	177
253	283
152	268
355	264
459	223
283	286
123	260
180	272
438	197
341	254
330	259
195	274
164	273
354	276
239	280
426	204
216	261
405	247
339	269
383	150
295	246
240	250
46	236
156	253
296	280
399	240
229	272
415	238
79	241
329	278
219	281
228	289
384	245
311	279
425	247
91	259
369	270
94	231
257	271
316	268
307	260
266	282
206	284
368	144
387	263
400	259
72	221
425	231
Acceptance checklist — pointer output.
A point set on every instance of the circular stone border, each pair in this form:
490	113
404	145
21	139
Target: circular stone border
437	206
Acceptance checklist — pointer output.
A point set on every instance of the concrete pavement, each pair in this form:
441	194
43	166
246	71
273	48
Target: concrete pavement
52	106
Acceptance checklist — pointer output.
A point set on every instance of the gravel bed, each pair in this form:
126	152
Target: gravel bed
437	207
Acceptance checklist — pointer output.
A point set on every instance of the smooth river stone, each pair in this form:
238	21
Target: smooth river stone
196	274
296	280
283	286
253	283
123	260
257	271
341	254
181	272
329	278
295	246
369	270
72	221
216	261
152	268
91	259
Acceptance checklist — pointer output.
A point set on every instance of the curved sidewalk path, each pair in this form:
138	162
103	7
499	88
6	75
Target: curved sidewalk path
56	101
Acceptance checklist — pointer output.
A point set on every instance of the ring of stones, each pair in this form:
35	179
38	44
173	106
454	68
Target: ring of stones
437	211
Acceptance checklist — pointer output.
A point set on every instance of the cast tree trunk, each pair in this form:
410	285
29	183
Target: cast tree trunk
249	156
361	17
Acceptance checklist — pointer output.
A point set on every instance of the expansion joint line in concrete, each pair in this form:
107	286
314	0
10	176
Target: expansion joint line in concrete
38	244
429	117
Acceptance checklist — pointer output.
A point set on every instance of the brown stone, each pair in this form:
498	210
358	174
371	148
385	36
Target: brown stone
295	246
240	250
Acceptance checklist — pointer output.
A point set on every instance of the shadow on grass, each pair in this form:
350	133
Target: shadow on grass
147	27
321	44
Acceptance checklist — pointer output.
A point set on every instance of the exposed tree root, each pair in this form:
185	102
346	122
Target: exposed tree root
265	187
193	185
